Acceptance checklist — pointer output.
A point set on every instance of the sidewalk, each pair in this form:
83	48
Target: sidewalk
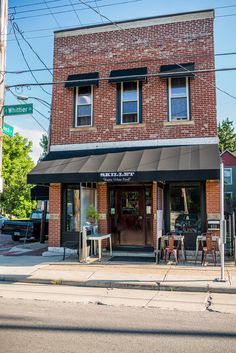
149	276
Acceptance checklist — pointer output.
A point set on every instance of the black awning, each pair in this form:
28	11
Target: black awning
177	71
180	163
39	192
82	80
137	74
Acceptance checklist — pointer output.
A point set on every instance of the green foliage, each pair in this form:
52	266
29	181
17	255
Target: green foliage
227	136
92	214
16	164
44	144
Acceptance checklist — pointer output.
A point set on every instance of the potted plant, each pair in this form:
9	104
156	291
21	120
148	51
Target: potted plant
92	215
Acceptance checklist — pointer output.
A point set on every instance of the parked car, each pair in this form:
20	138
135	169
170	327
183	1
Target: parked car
2	220
25	228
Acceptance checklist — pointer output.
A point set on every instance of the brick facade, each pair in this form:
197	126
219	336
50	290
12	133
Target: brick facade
151	47
75	52
54	239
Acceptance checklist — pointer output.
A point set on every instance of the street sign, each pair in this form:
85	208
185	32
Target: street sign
18	109
8	129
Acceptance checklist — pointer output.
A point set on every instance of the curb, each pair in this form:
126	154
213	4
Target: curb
158	286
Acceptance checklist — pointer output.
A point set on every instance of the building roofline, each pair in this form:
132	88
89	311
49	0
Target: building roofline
228	152
135	20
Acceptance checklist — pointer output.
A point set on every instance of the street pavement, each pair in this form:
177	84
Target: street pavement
19	264
62	319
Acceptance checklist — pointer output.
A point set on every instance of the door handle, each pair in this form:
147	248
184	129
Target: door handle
140	217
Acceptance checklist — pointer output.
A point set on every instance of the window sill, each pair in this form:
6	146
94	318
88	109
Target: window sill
82	128
128	126
178	122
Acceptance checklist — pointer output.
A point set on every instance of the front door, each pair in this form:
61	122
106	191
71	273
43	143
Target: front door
130	219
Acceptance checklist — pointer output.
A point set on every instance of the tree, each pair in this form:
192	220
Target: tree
227	136
16	164
44	144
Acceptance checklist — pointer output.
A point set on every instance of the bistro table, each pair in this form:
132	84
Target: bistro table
163	240
202	238
95	237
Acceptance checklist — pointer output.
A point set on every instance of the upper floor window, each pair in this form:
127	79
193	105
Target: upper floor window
228	176
129	102
84	106
178	102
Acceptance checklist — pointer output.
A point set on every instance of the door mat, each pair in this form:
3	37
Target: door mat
133	248
132	259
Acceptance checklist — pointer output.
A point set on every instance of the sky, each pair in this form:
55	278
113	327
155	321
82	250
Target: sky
36	20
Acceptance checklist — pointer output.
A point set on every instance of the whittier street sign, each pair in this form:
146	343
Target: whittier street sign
18	109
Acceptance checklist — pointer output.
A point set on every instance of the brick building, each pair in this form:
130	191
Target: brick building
133	130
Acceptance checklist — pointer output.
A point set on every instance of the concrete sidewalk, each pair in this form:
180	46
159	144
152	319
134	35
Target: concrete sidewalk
38	269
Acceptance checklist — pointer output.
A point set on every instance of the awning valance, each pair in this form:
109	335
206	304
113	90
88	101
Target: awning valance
180	163
82	80
177	71
137	74
39	192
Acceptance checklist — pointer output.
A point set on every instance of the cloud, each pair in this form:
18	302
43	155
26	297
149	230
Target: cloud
34	136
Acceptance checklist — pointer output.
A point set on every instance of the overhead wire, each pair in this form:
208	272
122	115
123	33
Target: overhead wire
42	127
25	60
52	14
76	14
165	57
82	9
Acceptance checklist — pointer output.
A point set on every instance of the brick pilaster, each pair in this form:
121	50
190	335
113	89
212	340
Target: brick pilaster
154	210
54	236
102	200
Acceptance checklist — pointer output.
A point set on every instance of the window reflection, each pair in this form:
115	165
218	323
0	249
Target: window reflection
72	210
130	203
185	209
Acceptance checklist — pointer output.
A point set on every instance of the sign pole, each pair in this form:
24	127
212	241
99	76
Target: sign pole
222	226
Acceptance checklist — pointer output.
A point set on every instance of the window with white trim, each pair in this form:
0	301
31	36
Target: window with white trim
178	98
228	195
84	106
129	102
228	176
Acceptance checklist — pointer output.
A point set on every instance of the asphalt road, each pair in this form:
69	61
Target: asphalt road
50	319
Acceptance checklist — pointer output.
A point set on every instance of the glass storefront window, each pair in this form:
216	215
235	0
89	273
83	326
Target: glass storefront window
185	209
130	202
72	210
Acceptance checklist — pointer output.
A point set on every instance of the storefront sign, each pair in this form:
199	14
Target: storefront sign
121	177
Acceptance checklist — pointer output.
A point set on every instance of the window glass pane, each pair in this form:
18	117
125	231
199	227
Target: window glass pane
130	203
85	99
130	118
83	121
72	210
178	108
130	107
178	87
84	110
130	91
85	90
228	176
185	209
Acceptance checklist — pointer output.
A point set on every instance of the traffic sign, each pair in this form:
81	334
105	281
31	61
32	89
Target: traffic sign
18	109
8	129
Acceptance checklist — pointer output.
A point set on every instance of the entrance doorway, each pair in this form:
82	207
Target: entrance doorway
130	215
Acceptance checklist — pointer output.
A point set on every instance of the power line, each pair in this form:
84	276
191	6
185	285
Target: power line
19	71
233	14
32	4
120	77
46	8
52	14
30	46
76	14
25	60
166	57
42	127
82	9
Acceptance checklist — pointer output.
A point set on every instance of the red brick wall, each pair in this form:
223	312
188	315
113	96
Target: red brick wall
102	207
182	42
54	236
213	197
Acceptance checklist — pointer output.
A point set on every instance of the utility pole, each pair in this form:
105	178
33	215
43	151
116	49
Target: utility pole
3	41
